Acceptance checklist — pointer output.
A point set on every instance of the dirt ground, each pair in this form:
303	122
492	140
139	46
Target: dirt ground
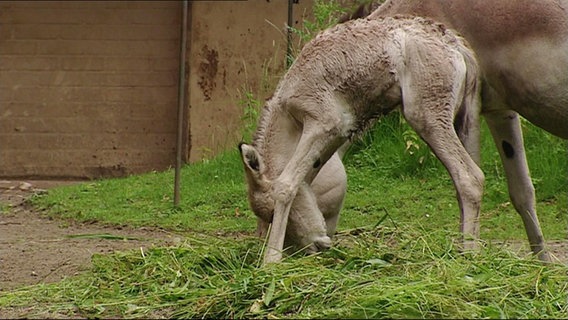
35	248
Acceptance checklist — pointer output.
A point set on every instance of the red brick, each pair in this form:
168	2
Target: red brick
33	94
118	63
54	15
106	141
20	79
142	4
141	95
123	32
72	124
37	31
165	64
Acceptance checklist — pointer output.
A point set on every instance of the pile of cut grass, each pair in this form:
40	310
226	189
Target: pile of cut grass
380	272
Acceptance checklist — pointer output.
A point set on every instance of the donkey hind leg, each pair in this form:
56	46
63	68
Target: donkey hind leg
320	138
467	124
506	131
435	127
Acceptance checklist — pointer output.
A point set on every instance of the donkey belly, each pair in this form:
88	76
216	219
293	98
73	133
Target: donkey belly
532	78
330	186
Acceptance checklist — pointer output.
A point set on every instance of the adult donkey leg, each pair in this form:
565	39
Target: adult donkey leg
320	139
506	131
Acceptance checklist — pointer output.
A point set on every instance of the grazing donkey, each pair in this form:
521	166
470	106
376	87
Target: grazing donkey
341	82
522	49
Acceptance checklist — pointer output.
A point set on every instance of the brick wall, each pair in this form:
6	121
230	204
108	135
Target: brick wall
87	88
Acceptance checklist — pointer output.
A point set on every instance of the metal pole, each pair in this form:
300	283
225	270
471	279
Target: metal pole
181	101
289	34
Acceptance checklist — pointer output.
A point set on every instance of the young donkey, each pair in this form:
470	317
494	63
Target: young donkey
340	83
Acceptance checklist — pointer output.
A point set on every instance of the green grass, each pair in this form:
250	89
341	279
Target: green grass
392	169
383	176
394	256
213	198
381	272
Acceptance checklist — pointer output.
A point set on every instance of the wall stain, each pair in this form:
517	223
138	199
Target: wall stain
207	71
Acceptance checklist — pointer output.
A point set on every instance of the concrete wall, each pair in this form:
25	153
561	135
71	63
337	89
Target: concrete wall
89	88
235	46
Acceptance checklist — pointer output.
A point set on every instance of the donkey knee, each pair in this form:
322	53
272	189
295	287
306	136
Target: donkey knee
282	190
471	187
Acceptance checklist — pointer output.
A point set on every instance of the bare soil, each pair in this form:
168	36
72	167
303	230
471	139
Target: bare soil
35	248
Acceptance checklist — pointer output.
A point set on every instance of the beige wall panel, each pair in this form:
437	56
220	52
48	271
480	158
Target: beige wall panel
87	88
233	43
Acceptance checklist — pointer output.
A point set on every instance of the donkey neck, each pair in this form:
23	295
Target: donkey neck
276	137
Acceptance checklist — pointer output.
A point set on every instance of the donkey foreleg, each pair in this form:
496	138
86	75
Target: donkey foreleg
275	243
506	131
320	139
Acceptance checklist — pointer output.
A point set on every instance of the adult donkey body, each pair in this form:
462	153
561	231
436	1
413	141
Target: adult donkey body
340	83
522	49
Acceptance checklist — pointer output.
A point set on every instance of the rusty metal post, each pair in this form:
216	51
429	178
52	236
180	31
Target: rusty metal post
181	102
289	59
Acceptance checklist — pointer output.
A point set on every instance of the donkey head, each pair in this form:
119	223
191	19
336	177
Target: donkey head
259	185
306	226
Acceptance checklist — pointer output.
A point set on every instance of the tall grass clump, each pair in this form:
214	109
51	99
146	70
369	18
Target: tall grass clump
394	149
326	13
251	106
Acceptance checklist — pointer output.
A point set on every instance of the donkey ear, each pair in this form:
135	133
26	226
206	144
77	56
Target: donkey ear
250	157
